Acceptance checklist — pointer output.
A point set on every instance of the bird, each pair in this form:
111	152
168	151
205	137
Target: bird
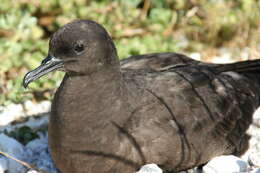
113	116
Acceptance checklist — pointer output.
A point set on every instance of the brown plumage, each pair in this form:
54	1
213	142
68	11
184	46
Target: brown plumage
112	117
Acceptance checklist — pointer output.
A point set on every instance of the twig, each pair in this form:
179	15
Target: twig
106	9
6	33
19	161
132	33
147	4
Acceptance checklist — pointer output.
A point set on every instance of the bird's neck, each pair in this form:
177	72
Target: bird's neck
86	105
91	94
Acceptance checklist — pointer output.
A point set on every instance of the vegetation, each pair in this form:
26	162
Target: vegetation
23	134
137	26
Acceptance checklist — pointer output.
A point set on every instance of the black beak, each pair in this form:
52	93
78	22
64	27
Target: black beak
50	63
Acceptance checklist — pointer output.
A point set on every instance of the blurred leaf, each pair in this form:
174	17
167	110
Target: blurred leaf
23	134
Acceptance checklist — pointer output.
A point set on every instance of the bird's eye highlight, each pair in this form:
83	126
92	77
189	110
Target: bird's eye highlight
79	48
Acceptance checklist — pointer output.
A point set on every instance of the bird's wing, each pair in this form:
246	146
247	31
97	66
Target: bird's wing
157	61
208	104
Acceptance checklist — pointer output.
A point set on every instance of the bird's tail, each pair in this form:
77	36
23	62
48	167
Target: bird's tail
250	69
250	66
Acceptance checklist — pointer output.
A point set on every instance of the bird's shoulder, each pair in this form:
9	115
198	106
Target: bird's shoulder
157	61
169	69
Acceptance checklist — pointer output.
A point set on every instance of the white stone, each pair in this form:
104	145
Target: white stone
36	108
226	164
10	113
150	168
254	159
245	53
28	105
33	122
37	154
196	56
32	171
256	170
45	105
224	57
13	148
14	112
3	164
256	117
38	144
37	123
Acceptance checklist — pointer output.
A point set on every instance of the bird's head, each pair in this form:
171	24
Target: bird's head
81	47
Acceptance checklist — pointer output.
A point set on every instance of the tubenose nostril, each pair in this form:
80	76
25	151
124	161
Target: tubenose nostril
48	58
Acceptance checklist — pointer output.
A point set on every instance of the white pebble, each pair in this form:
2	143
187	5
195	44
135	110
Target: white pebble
28	105
222	59
196	56
37	123
13	148
32	171
254	159
3	165
150	168
36	108
37	154
257	170
38	145
226	164
11	113
14	112
256	117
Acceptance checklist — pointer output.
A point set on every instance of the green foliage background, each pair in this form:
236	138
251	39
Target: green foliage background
137	27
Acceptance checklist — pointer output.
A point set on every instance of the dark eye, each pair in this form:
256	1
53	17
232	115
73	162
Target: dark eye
79	48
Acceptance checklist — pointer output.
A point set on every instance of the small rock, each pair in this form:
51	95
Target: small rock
36	145
245	53
36	108
150	168
257	170
256	117
226	164
28	105
37	154
36	171
13	148
3	165
254	159
224	56
37	123
11	113
32	171
196	56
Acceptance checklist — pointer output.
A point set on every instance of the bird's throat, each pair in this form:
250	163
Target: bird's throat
82	106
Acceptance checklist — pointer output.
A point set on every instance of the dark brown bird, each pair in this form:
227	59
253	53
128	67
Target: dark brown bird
111	116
